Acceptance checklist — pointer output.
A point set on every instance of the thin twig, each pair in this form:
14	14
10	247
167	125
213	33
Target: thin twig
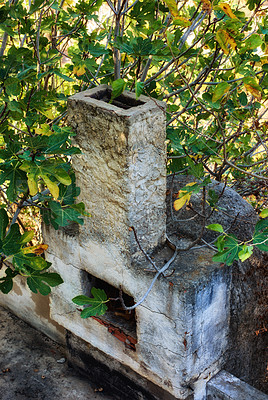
161	271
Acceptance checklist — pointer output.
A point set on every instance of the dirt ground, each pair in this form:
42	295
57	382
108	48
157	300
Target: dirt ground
34	367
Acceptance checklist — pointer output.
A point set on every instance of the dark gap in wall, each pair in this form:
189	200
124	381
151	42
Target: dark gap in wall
122	101
116	316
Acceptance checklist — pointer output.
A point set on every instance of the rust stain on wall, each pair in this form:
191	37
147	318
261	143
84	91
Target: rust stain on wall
42	308
17	289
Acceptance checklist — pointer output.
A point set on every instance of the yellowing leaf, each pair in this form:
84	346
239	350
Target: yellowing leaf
245	253
52	186
179	203
79	70
264	213
220	90
255	92
172	6
226	9
252	87
38	249
32	184
225	40
191	184
181	21
183	197
44	130
27	237
48	113
177	19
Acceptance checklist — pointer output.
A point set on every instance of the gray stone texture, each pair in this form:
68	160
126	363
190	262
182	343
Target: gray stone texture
233	212
225	386
248	337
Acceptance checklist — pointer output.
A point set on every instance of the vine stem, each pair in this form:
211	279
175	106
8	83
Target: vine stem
160	271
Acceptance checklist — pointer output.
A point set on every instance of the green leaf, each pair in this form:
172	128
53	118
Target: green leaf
252	42
80	207
245	253
243	99
82	300
3	223
21	260
260	237
264	213
12	86
139	86
220	90
11	243
118	87
63	177
36	284
97	303
230	252
51	278
6	286
64	215
215	227
63	76
27	237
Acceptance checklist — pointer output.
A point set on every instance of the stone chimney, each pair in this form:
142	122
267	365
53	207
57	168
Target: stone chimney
122	168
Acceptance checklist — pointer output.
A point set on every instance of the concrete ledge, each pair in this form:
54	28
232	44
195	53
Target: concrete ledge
225	386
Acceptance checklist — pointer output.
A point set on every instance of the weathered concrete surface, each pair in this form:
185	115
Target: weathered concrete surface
182	327
34	367
248	335
32	308
118	184
225	386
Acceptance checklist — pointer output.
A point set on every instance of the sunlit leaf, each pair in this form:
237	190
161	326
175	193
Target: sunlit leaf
252	86
225	41
177	19
220	90
215	227
252	42
245	253
118	87
27	237
37	249
63	177
52	186
264	213
179	203
226	9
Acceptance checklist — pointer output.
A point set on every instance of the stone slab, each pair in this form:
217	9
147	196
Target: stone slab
225	386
